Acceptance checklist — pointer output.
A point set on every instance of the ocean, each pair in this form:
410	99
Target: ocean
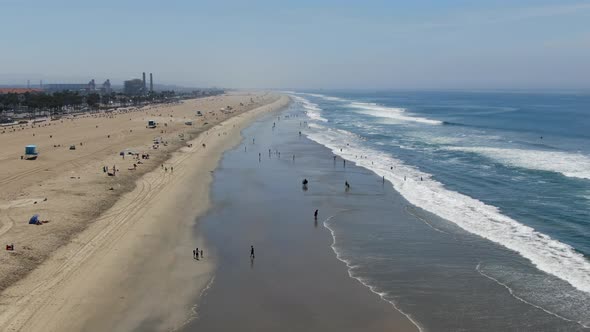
500	180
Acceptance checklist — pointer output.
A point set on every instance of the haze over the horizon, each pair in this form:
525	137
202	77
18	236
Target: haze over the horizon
425	44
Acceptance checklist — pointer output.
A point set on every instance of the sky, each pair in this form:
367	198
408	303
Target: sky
304	44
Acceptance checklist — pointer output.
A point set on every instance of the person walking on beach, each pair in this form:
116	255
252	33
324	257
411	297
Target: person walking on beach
197	253
194	253
251	252
315	214
346	185
202	254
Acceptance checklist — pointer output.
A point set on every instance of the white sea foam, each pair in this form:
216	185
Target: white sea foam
330	98
393	113
313	111
575	165
569	306
547	254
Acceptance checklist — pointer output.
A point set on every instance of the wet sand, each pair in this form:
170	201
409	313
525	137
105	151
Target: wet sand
295	283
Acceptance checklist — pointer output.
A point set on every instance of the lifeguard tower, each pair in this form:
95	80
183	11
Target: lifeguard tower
31	152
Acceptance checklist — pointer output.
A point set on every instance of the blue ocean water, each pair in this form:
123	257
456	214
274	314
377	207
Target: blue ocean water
510	168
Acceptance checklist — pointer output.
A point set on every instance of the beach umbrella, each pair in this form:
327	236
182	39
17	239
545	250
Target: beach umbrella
34	220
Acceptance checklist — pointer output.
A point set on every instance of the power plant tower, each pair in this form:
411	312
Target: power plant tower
151	83
144	87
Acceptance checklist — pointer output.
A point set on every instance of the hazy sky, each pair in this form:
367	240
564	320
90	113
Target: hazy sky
300	44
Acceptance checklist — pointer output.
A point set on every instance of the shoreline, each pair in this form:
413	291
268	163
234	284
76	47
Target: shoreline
420	268
295	282
92	260
349	267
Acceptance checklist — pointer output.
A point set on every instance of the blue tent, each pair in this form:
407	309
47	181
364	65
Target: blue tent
34	220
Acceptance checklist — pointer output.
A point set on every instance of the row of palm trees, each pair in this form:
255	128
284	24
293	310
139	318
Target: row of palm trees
65	100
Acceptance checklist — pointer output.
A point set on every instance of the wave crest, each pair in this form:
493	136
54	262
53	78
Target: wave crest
394	113
569	164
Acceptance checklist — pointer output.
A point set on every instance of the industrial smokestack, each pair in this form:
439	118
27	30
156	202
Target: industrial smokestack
144	87
151	83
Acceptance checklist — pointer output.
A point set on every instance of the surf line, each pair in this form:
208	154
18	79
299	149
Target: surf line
478	269
349	268
194	309
412	211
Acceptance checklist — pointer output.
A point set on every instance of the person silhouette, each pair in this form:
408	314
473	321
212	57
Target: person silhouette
315	214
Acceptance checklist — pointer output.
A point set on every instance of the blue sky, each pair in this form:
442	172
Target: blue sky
421	44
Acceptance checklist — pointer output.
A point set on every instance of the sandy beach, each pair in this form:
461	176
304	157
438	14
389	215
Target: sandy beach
115	249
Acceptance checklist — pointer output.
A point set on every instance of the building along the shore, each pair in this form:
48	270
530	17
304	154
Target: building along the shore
134	87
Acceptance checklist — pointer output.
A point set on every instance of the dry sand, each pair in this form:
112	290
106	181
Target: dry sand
111	259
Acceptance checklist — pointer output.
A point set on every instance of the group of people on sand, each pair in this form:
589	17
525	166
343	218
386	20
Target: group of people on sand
196	253
199	253
105	169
